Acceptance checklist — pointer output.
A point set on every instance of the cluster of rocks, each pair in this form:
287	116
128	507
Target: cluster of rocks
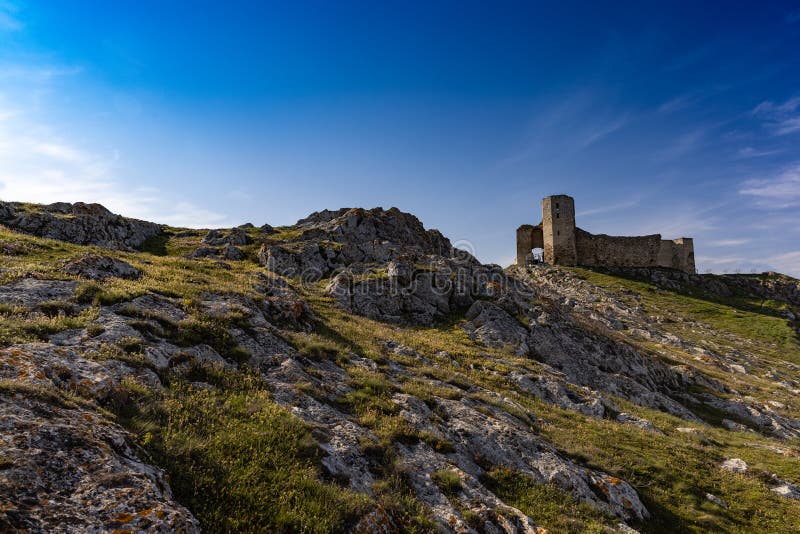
219	246
66	467
478	436
79	223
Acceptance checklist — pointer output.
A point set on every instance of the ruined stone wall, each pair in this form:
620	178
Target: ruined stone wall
677	254
528	238
566	244
558	230
615	251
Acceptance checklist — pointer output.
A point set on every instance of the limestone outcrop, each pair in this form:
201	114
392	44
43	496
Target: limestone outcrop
330	240
79	223
97	267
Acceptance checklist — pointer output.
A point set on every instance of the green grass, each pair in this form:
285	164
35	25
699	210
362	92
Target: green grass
127	350
239	461
447	481
35	326
673	472
546	504
242	463
285	233
735	315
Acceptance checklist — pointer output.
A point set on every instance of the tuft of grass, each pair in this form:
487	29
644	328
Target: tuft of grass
94	330
447	481
315	347
35	391
127	353
130	344
55	308
95	294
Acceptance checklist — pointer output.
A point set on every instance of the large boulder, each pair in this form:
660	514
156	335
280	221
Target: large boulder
96	267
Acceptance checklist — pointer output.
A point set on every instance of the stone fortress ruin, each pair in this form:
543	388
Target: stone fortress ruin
557	241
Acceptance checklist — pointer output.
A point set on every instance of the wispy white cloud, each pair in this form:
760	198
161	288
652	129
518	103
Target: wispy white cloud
609	209
684	144
750	152
780	119
38	163
788	263
573	123
46	170
676	104
598	131
37	75
778	192
690	98
729	242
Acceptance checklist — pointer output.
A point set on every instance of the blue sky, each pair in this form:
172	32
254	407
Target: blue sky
665	117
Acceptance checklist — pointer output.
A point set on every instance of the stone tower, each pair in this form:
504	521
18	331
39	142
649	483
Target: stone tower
558	230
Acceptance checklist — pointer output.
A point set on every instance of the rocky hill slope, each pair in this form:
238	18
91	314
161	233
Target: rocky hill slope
354	373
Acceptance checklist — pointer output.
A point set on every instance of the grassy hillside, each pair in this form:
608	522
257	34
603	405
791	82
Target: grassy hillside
241	462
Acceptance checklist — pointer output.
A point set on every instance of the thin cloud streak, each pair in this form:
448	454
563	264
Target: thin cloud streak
728	242
603	130
750	152
608	209
780	119
778	192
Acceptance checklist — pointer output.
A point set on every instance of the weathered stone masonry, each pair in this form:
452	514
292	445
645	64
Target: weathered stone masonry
564	243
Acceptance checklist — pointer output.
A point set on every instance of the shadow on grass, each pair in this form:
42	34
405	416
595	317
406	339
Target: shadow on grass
156	244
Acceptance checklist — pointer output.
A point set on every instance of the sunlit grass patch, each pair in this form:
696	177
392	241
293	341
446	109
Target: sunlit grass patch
235	458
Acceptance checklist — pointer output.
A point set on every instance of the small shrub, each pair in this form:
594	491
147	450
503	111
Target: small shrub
440	445
447	481
54	308
94	330
130	344
93	293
